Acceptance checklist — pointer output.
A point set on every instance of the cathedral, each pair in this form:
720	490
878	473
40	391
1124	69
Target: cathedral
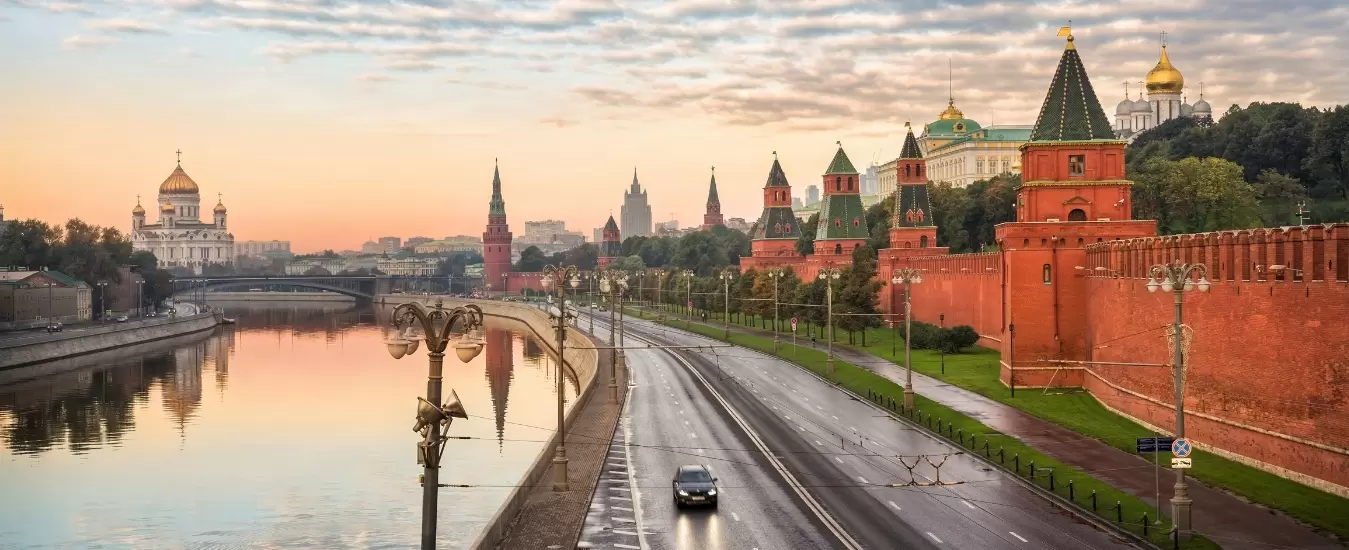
1166	101
180	238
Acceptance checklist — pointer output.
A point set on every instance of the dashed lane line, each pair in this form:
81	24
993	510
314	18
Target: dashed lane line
893	505
934	537
967	504
1018	537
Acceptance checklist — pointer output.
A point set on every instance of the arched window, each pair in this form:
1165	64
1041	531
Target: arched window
837	223
1048	270
838	249
922	241
919	171
908	244
907	167
1025	243
850	183
838	183
856	222
1077	215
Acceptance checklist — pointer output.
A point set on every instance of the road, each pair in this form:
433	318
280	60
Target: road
688	406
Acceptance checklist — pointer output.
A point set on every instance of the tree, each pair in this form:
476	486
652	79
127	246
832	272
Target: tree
958	338
950	206
29	243
805	244
531	260
1330	150
630	264
879	218
859	293
1279	197
700	252
215	269
656	251
1193	195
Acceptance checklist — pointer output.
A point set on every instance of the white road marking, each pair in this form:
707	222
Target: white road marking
852	428
835	417
819	407
863	480
893	505
785	417
620	489
617	545
934	537
622	508
1018	537
800	428
735	516
629	533
700	451
840	460
625	520
620	498
967	503
817	442
693	435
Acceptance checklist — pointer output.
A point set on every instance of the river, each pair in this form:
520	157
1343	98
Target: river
292	428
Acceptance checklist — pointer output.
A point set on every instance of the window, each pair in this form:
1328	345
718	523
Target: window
1077	215
850	183
919	170
838	183
1077	165
922	241
979	167
838	249
1048	271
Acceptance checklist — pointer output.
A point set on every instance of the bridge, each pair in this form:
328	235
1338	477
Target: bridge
360	287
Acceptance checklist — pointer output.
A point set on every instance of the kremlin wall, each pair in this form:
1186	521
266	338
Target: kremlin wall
1064	299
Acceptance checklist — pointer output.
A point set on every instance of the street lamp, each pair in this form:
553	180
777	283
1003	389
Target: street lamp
776	275
562	276
688	278
908	276
613	283
140	300
726	276
1178	278
433	421
102	300
829	275
590	277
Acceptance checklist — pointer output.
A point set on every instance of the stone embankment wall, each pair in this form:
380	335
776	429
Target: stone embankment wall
278	297
582	360
27	350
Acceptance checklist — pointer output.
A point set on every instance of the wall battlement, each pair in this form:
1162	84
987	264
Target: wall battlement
1315	253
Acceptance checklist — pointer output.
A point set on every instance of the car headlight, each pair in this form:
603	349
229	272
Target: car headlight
683	493
712	492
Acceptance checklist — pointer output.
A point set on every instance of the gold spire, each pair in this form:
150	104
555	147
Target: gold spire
138	210
1165	78
951	112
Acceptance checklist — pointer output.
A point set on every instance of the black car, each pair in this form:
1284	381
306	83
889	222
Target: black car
694	484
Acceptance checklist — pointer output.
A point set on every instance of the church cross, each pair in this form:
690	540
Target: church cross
1163	39
180	155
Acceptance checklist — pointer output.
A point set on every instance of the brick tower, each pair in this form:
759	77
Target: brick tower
773	238
712	217
496	240
913	227
1074	193
612	245
843	224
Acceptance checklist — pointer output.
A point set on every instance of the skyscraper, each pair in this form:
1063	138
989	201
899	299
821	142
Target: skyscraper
812	194
636	211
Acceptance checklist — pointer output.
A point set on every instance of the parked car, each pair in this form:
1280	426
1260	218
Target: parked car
54	327
121	318
694	484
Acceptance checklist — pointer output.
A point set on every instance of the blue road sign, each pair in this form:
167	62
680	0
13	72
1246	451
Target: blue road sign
1154	444
1181	448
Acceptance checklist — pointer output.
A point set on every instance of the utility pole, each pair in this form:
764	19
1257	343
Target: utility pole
776	275
829	275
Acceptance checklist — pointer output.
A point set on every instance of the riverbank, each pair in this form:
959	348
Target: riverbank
234	297
29	349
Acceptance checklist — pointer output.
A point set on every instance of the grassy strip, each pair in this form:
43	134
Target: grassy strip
977	371
1107	502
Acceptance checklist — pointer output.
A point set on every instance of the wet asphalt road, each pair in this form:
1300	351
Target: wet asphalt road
839	454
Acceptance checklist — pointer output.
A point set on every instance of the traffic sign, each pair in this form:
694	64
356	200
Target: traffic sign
690	303
1181	448
793	323
1181	463
1154	444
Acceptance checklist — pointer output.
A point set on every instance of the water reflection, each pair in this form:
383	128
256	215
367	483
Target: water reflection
289	428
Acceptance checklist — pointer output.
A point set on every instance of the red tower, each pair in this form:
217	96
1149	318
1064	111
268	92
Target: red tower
843	225
612	245
774	236
712	217
913	227
496	240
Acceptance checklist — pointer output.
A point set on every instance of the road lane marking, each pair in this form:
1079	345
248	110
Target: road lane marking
863	480
628	546
1018	537
622	508
967	503
835	417
625	520
693	435
735	516
620	498
893	505
934	537
852	428
840	460
817	442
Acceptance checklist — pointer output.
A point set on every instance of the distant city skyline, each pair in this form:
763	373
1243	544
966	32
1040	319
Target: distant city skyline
323	124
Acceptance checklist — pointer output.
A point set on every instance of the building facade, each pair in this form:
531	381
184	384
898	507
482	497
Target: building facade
180	238
261	249
712	216
1166	101
636	211
408	267
496	240
812	195
33	298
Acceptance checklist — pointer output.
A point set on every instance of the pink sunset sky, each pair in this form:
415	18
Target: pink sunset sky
327	123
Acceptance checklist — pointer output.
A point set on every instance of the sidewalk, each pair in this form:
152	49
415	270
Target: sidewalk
1227	519
551	519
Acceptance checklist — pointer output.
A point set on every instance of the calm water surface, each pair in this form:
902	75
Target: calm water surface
291	429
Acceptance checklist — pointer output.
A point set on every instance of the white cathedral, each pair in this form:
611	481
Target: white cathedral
1165	101
181	238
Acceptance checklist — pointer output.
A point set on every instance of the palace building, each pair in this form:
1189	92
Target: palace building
180	238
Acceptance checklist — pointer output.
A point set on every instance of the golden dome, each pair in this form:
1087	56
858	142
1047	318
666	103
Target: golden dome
219	208
138	210
167	208
1165	78
951	112
179	183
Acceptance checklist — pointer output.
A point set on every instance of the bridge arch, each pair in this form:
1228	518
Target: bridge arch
185	287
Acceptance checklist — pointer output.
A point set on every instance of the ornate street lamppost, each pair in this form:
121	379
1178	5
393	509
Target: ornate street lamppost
590	277
559	278
613	283
433	421
726	276
907	276
688	279
102	300
1178	278
829	275
776	275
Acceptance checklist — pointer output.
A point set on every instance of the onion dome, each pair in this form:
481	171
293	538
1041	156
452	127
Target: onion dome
1125	107
178	183
138	210
1165	78
1202	108
219	208
1142	106
167	208
1186	110
951	112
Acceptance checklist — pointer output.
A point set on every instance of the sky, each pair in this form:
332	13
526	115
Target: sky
330	122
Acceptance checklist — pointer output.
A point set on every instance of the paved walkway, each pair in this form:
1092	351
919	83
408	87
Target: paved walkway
553	519
1227	519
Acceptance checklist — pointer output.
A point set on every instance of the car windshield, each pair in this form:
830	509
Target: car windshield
695	476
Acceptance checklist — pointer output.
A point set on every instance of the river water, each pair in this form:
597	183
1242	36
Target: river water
292	428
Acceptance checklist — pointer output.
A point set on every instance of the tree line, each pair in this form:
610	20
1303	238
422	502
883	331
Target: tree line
87	252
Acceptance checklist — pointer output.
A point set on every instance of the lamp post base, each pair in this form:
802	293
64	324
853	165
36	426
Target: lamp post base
613	388
776	343
1180	510
560	474
908	398
830	363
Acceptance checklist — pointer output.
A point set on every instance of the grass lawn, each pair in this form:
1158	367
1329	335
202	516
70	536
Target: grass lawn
976	438
1077	410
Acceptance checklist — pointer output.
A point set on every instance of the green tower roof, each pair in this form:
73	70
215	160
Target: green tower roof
840	164
911	150
1071	111
497	206
712	189
610	225
776	177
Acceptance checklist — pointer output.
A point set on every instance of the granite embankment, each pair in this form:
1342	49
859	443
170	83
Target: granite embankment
213	297
37	347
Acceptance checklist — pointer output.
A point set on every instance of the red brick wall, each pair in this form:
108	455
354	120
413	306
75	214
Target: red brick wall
967	288
1270	351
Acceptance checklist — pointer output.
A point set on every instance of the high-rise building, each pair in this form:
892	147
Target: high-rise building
636	211
496	240
870	180
390	245
259	249
712	217
812	194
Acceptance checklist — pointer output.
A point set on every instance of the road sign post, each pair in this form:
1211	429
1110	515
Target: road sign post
793	336
1154	444
1181	463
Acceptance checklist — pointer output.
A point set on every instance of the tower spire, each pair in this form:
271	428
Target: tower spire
180	156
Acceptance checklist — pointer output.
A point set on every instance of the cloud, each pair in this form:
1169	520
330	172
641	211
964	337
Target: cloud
487	85
560	122
374	78
412	65
128	26
86	43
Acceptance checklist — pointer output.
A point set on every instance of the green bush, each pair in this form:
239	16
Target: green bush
925	336
958	338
